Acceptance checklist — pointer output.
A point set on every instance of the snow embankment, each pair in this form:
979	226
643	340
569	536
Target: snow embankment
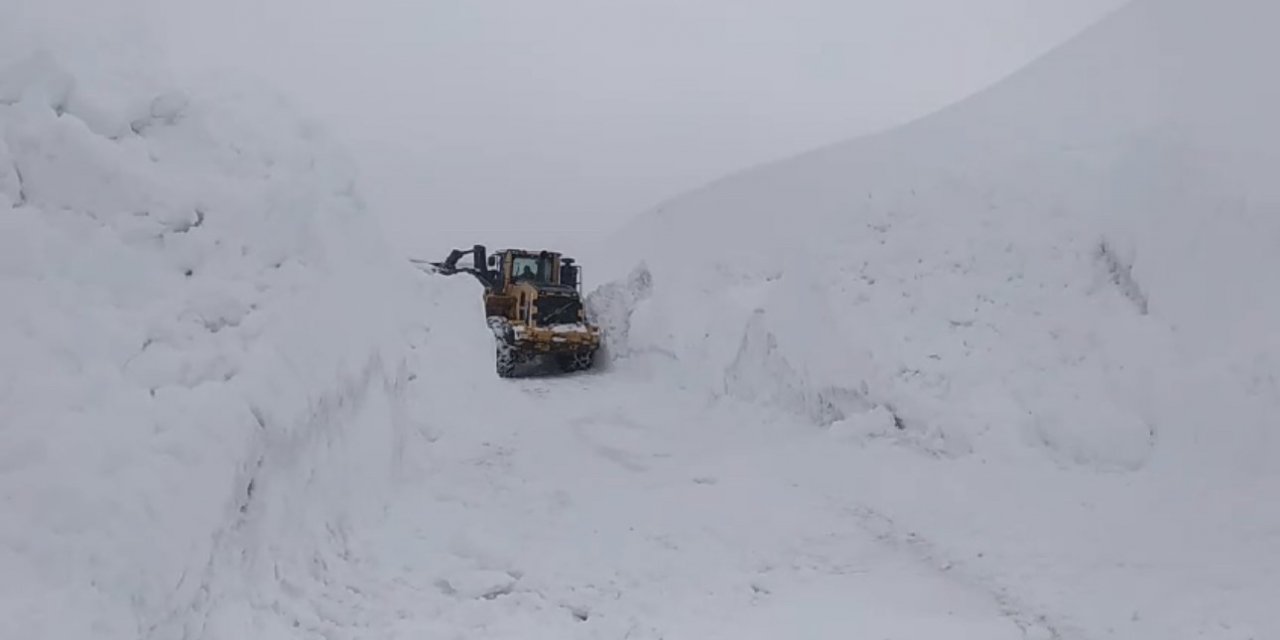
202	350
1057	291
1044	264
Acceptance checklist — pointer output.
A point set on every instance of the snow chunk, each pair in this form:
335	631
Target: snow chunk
37	80
611	306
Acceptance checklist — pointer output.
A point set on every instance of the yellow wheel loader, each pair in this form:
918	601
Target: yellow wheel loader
533	303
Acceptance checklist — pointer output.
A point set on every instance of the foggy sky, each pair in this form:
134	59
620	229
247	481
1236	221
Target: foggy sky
521	122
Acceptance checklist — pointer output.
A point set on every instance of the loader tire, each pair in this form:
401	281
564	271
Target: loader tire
505	360
576	361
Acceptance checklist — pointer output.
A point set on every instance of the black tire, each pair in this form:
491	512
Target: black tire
576	361
505	360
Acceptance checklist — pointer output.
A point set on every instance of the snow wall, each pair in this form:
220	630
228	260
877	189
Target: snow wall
1071	265
1035	333
203	345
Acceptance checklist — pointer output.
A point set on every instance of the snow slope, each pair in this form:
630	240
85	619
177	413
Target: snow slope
202	341
1041	319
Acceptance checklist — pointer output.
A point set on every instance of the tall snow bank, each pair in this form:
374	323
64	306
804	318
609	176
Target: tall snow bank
201	345
1071	264
1040	325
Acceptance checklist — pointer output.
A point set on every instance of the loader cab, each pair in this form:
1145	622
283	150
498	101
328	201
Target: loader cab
537	268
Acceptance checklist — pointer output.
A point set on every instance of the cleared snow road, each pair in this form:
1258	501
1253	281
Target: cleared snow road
611	506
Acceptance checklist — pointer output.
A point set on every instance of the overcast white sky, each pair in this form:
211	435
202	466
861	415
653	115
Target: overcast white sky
522	122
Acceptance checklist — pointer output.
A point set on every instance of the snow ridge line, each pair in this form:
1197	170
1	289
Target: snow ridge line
1033	623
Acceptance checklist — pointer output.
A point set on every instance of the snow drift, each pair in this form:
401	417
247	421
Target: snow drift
1102	219
202	346
1057	289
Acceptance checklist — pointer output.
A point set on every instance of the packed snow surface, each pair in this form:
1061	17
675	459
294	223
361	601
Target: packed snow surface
1009	372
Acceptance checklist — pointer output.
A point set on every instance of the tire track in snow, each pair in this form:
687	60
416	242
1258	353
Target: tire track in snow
596	431
1033	623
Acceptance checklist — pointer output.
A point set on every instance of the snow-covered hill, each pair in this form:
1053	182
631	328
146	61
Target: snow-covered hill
1057	293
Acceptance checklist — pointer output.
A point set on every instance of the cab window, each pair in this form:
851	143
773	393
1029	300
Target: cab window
531	269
